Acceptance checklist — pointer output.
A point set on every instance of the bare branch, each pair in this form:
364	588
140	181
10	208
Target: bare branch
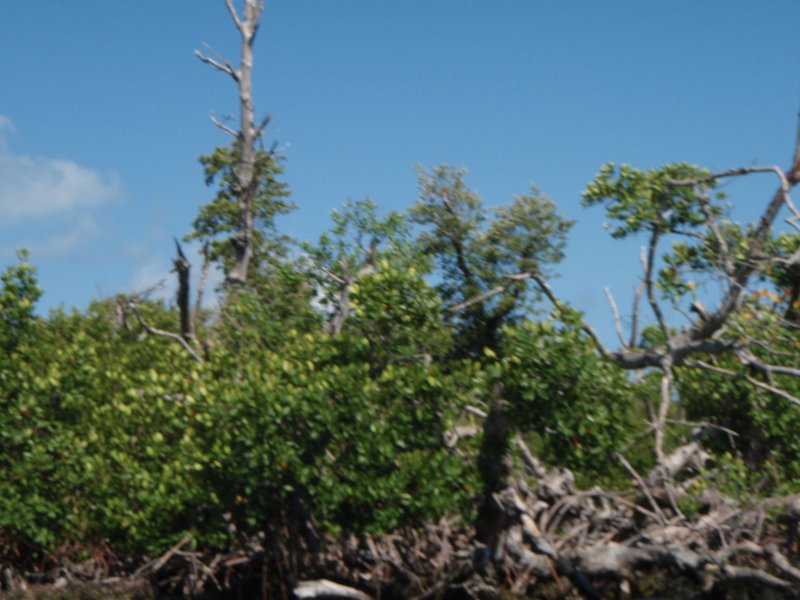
491	293
234	14
478	299
725	251
201	286
219	63
649	287
167	334
224	127
342	309
663	410
559	306
737	172
755	382
637	299
643	486
750	359
615	313
260	130
705	424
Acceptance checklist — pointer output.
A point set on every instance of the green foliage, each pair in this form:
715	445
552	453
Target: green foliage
661	203
18	297
109	435
639	200
579	408
398	313
310	424
95	445
476	248
220	218
764	424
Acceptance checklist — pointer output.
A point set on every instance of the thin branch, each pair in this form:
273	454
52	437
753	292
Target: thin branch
559	306
615	313
727	258
201	286
491	293
458	246
703	424
648	280
260	130
167	334
750	359
737	172
478	299
224	127
219	63
663	410
643	486
755	382
234	14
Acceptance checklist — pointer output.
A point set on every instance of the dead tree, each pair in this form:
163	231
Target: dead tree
246	136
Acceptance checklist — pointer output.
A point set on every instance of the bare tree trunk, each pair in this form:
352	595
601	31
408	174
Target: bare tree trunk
246	136
242	240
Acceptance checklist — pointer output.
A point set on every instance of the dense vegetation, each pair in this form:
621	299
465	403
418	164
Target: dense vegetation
374	379
328	387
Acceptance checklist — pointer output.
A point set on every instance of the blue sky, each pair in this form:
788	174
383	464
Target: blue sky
104	110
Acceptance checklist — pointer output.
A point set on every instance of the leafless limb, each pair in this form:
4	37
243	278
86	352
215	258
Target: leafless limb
663	410
260	131
224	127
559	306
705	424
724	249
342	308
478	299
637	300
322	588
474	410
153	566
755	382
219	63
490	293
167	334
615	313
737	172
201	286
234	15
649	284
769	370
643	486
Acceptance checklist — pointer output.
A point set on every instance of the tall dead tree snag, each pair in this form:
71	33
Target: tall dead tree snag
246	136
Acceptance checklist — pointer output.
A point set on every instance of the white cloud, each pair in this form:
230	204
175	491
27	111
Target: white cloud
32	187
